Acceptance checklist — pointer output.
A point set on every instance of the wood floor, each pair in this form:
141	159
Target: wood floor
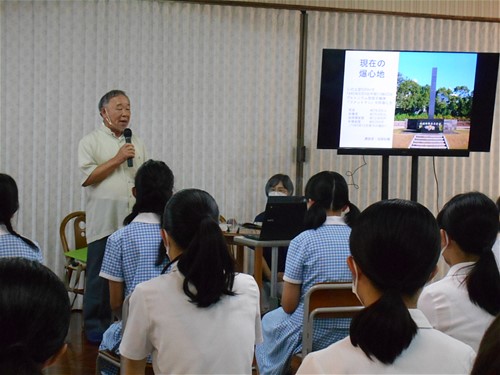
80	357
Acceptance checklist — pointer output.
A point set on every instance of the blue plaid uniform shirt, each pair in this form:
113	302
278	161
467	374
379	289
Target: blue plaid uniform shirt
314	256
130	257
131	253
13	246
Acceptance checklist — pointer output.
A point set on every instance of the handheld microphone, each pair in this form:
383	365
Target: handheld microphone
127	133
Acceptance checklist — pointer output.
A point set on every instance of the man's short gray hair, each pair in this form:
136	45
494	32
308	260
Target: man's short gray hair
110	95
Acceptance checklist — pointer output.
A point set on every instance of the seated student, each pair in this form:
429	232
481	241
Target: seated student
395	249
464	303
11	243
200	317
135	253
277	185
488	356
34	317
316	255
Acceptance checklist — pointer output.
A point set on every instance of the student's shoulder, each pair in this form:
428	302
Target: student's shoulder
331	359
448	347
244	279
438	287
118	235
244	283
156	286
303	237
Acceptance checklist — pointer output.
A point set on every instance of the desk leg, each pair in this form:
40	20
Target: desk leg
274	272
257	266
239	257
273	300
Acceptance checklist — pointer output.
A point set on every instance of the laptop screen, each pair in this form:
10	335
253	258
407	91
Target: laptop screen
283	218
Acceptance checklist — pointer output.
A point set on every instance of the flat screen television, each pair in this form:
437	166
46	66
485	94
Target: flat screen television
407	102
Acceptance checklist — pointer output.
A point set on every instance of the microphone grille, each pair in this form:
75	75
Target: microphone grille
127	133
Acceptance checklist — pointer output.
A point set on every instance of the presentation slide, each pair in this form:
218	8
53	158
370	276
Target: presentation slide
369	99
429	103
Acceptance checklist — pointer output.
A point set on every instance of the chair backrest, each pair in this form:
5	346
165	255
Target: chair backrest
78	220
326	301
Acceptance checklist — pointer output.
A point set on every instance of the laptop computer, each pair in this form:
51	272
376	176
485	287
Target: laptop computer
283	219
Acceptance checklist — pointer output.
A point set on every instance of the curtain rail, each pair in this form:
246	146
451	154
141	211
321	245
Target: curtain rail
258	4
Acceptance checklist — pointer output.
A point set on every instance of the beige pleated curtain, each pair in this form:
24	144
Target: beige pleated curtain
214	93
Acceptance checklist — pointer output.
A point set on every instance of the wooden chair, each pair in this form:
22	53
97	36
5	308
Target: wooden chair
324	301
73	268
110	357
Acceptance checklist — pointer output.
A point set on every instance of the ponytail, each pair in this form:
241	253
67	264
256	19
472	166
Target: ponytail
9	204
352	214
14	233
483	283
314	217
131	216
471	220
329	191
154	183
397	267
207	265
384	329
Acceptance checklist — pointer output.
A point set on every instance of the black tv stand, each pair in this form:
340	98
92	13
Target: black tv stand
414	178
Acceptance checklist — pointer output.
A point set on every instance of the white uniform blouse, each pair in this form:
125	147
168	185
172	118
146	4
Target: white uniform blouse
430	352
186	339
447	305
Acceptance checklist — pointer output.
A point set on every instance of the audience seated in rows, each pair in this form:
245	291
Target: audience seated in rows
34	317
465	302
13	244
395	249
316	255
200	316
135	253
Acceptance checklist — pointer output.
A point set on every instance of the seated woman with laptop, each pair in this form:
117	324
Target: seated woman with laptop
278	185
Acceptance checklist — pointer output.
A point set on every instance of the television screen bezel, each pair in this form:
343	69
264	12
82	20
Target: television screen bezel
330	106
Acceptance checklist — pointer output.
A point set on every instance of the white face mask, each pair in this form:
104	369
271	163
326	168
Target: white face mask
447	243
276	194
355	283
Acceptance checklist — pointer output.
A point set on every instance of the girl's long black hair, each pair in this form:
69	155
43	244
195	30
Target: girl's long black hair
191	219
9	204
34	316
329	191
471	220
396	245
154	184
